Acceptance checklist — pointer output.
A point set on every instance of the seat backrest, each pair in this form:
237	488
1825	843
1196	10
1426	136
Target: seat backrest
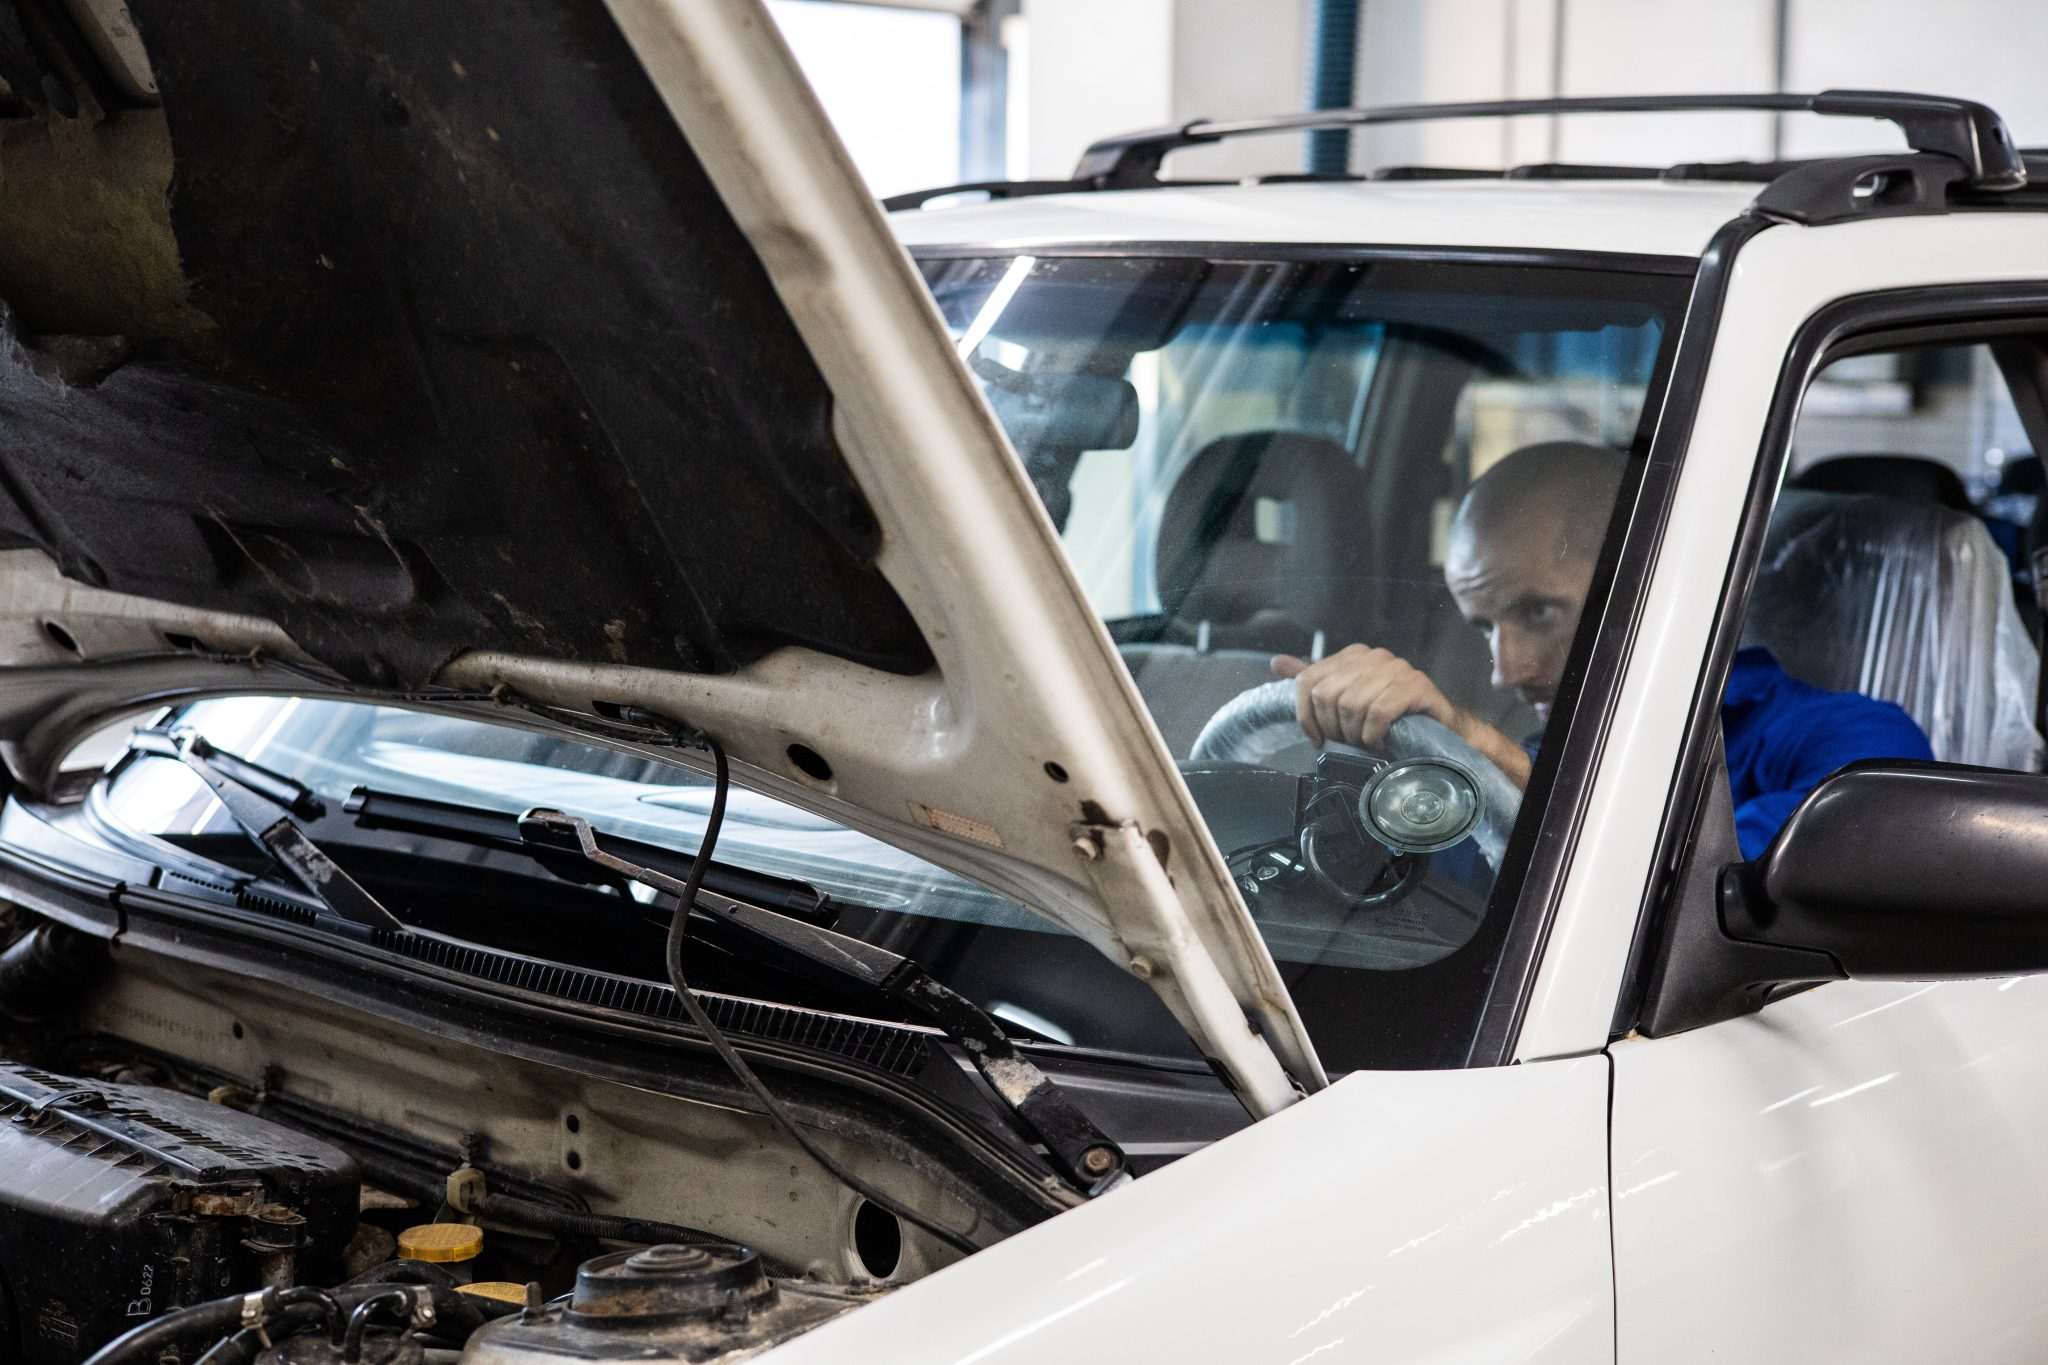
1183	686
1264	525
1906	601
1259	543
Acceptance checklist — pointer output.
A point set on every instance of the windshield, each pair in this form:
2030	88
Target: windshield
1260	469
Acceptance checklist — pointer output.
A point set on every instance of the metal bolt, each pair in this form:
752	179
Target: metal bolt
1141	967
1098	1160
1086	848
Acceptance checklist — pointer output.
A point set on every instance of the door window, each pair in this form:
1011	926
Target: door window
1893	613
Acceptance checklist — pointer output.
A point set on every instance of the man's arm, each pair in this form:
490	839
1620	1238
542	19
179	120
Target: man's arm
1807	744
1355	694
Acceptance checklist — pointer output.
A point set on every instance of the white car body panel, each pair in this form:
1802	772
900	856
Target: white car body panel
1397	1216
1638	217
1852	1174
1855	1174
1781	277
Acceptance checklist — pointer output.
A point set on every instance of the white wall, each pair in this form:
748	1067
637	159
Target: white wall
1661	47
1095	67
1104	66
1990	50
1110	66
903	133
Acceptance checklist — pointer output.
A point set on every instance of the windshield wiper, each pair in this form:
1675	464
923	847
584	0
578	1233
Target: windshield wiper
481	828
1081	1151
263	802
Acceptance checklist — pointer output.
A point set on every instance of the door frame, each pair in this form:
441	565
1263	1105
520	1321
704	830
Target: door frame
1792	293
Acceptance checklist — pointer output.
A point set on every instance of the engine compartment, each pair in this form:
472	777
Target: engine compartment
177	1135
122	1198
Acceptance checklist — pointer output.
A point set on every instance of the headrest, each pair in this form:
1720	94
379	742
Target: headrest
1264	521
1913	478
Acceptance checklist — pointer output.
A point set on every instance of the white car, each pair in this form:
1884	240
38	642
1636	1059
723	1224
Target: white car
477	484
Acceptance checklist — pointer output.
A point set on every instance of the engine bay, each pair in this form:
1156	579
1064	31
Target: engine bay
197	1164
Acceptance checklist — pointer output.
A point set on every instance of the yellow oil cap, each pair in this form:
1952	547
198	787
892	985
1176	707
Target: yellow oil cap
442	1243
495	1289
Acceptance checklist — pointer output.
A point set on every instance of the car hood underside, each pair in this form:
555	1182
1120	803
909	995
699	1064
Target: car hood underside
551	350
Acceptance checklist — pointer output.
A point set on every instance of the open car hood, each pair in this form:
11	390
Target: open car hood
553	349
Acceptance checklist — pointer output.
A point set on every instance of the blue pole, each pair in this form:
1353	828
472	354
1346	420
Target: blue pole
1332	81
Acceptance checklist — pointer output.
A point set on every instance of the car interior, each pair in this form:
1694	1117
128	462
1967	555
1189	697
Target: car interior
1899	560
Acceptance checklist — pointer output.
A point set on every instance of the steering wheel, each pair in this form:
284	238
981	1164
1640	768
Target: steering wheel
1260	720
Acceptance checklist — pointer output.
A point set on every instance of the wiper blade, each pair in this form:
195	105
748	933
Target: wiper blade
1082	1152
483	828
263	802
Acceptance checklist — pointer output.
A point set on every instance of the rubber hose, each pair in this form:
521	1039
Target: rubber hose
215	1320
210	1321
398	1296
43	971
404	1272
524	1214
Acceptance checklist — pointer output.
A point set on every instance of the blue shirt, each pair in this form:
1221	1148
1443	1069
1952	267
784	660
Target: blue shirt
1784	736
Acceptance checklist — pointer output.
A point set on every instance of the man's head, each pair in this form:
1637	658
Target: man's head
1521	553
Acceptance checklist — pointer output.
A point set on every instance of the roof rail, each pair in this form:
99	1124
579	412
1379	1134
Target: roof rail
1970	133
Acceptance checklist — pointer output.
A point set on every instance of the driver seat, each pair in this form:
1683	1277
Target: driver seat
1258	553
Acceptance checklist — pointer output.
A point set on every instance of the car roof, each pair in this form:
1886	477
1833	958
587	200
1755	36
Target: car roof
1659	218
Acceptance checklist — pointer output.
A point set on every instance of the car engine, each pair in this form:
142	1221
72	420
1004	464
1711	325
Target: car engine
154	1211
129	1206
122	1199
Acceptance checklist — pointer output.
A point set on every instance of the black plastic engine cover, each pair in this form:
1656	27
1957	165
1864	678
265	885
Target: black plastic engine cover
121	1202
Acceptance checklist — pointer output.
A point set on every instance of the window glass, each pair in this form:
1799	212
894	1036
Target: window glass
1382	474
1893	614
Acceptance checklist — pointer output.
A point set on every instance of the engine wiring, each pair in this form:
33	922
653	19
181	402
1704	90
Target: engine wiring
673	960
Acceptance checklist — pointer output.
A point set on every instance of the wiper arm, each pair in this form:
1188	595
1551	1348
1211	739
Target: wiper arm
1083	1153
263	802
483	828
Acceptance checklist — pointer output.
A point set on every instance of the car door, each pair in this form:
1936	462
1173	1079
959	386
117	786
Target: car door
1852	1171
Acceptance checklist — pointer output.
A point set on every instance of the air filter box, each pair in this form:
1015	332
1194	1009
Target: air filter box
121	1202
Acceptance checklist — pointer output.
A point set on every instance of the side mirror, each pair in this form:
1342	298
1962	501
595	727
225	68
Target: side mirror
1904	870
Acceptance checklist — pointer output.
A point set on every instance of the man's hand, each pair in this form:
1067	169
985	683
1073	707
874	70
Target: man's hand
1352	696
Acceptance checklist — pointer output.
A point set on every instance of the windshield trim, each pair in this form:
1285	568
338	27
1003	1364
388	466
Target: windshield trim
1609	262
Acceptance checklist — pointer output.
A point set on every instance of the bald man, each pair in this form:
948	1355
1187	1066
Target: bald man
1519	563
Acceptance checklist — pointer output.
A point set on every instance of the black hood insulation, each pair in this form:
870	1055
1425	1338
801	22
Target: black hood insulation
473	355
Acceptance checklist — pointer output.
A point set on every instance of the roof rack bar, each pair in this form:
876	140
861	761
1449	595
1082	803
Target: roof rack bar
1971	133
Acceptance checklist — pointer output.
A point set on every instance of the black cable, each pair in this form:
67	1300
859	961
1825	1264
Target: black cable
673	957
209	1321
359	1321
299	1307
